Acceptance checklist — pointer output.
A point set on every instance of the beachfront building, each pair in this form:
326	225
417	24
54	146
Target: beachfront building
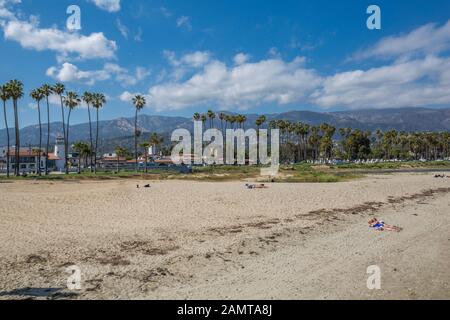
29	160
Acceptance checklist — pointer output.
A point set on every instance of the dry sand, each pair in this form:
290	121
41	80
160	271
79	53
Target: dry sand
202	240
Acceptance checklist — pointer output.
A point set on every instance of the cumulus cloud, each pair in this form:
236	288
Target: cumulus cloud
241	58
428	39
108	5
71	73
5	11
420	82
30	36
245	85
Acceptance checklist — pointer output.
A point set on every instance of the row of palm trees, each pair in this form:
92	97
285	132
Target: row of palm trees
235	121
13	90
304	142
69	100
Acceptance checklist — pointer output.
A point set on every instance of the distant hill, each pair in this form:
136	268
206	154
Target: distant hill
115	131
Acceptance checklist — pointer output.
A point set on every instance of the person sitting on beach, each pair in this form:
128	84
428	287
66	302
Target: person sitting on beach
254	186
381	226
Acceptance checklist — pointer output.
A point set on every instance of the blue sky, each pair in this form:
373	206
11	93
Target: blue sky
247	56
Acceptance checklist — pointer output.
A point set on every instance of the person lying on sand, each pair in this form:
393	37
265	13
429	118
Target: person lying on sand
381	226
254	186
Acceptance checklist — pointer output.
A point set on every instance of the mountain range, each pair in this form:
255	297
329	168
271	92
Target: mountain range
122	129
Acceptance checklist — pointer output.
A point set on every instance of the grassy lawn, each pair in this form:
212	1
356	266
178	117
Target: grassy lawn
299	173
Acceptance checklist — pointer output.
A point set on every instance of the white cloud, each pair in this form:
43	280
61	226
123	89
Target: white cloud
108	5
71	73
246	85
5	11
184	22
421	82
241	58
122	28
128	96
196	59
30	36
428	39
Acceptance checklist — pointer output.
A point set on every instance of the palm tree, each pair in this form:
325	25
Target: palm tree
98	100
71	101
47	91
259	122
155	140
145	146
4	95
15	89
59	89
37	95
88	98
203	118
139	103
120	152
222	117
211	115
81	148
197	116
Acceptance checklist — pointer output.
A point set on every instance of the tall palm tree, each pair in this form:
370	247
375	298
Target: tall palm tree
47	91
203	118
98	101
211	115
222	117
59	89
15	89
37	96
88	98
4	95
139	103
71	101
259	122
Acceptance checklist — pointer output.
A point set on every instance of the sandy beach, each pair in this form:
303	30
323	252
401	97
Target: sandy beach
209	240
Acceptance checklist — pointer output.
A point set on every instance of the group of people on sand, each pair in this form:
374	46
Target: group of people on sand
441	176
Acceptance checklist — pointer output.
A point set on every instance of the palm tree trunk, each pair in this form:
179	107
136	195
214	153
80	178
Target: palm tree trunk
96	146
67	143
7	137
90	134
17	151
48	137
135	141
40	140
146	161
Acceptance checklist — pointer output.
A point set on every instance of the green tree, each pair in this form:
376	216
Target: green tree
71	101
88	99
15	89
139	103
4	96
98	101
37	96
47	91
